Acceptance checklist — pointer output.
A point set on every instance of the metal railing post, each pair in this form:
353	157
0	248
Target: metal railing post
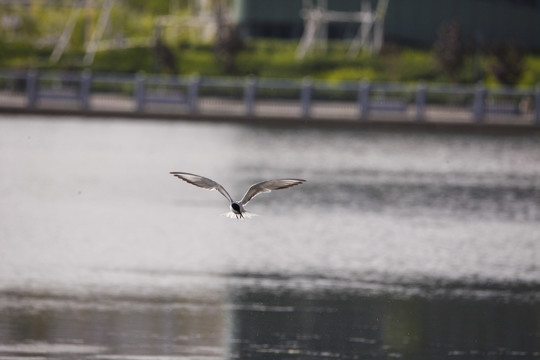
140	92
305	97
479	103
537	106
193	94
32	77
249	95
364	88
85	84
421	93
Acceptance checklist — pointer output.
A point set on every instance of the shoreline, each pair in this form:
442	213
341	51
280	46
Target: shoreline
374	123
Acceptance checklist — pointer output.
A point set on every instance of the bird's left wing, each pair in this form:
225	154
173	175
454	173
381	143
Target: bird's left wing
202	182
267	186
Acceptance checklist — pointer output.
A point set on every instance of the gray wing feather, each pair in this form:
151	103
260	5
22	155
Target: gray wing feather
202	182
267	186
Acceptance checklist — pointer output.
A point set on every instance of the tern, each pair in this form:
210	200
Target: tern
237	207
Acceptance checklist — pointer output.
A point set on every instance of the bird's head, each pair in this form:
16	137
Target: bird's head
237	209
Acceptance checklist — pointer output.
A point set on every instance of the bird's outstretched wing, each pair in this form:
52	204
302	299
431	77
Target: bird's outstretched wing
202	182
267	186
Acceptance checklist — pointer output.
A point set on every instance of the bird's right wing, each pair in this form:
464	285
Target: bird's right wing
267	186
202	182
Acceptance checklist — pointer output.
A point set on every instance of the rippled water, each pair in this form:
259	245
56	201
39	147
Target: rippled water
406	245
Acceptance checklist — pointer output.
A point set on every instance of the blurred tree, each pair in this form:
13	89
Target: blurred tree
508	64
228	41
449	50
165	60
228	44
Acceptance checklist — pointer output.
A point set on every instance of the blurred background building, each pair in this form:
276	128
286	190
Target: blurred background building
413	22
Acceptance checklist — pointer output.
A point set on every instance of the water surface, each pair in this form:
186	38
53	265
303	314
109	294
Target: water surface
400	245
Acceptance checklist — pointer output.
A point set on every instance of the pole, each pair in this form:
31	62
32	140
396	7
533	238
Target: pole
249	95
421	93
363	99
305	97
32	77
479	103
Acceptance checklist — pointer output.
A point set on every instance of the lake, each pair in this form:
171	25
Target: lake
404	245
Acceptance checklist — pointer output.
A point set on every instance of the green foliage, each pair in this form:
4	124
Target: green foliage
508	64
350	74
157	7
21	54
277	59
531	74
266	58
417	65
197	60
128	60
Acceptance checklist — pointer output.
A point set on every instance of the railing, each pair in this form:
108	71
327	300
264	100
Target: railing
86	92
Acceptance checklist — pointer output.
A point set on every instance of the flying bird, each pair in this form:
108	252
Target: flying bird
237	207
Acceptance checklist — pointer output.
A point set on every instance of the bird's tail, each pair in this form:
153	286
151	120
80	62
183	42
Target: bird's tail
245	215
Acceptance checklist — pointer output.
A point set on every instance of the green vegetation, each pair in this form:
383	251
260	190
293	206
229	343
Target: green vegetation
275	59
259	57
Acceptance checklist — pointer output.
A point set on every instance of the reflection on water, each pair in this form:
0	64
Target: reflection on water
85	328
410	246
255	321
330	325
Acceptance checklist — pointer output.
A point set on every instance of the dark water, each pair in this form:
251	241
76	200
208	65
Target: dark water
330	325
405	246
261	323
